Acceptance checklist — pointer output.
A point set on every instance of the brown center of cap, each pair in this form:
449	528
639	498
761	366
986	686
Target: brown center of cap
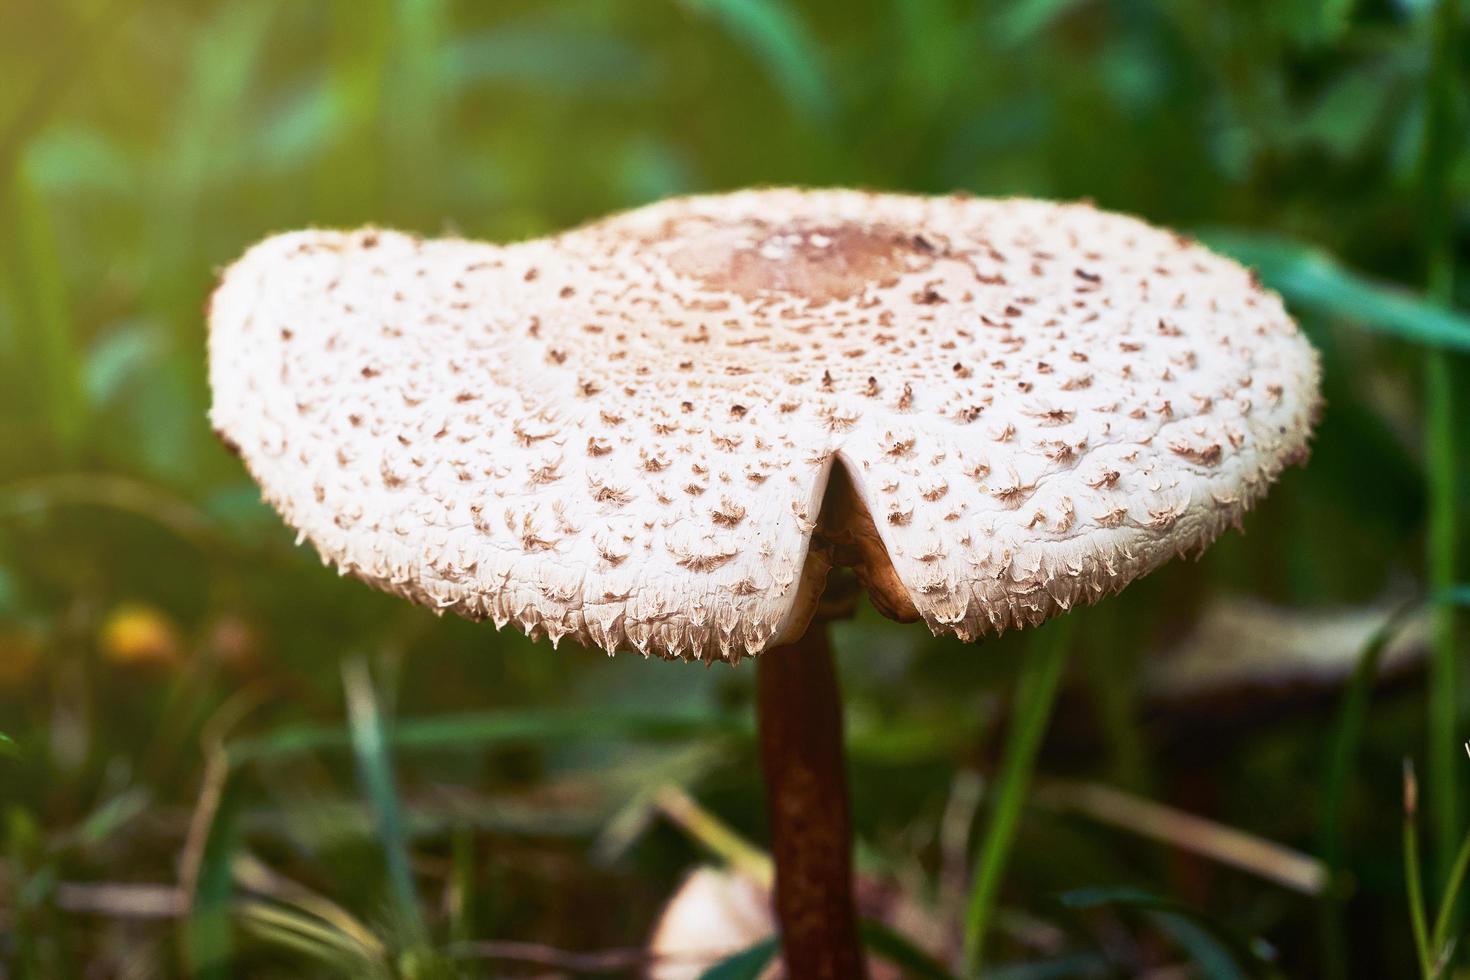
818	262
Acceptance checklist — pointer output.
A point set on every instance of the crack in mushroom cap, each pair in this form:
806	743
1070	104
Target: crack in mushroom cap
623	434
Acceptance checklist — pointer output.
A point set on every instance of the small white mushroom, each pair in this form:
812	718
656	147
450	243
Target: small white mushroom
714	915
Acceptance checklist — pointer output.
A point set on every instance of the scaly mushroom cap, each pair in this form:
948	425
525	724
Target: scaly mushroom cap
629	433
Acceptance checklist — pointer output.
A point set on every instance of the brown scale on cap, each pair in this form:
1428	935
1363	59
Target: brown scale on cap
1064	397
820	262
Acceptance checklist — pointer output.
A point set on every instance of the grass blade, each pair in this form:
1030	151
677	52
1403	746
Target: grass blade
375	769
1243	950
1076	966
1445	916
258	878
780	39
348	176
902	953
462	895
1035	693
1312	279
53	355
748	964
1342	752
288	927
418	106
1443	136
1441	535
1020	22
1186	831
481	730
205	145
1214	958
550	60
716	836
1347	735
1411	872
207	936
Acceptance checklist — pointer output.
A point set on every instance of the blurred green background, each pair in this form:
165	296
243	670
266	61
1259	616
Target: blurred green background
178	788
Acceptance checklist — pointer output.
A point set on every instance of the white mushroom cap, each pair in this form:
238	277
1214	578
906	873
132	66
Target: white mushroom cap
625	434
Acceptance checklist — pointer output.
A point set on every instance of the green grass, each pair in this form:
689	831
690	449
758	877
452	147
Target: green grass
476	791
1443	405
39	280
1342	761
375	772
1036	689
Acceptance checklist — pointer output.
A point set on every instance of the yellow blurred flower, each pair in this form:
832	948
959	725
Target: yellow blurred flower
139	634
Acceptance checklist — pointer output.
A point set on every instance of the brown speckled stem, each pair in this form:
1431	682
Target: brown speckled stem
800	717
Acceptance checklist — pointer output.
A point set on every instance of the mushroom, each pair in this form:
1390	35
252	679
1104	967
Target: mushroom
661	431
1245	656
715	914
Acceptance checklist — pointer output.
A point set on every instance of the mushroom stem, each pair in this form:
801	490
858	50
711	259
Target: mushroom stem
800	719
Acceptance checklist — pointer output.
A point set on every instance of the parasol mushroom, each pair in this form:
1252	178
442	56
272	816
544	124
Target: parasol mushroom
661	431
